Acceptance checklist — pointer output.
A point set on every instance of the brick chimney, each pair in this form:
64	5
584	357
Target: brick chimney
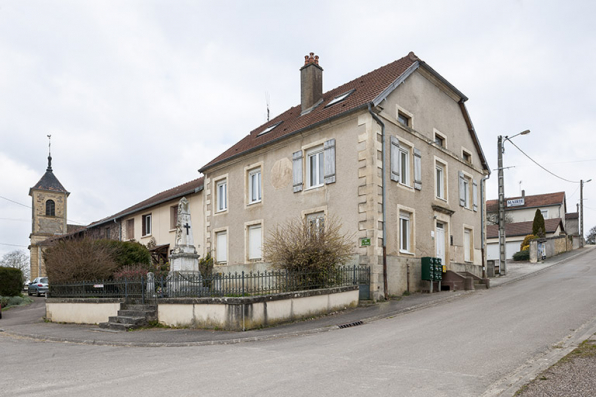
311	81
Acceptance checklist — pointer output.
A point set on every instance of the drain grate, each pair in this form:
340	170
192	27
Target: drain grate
354	324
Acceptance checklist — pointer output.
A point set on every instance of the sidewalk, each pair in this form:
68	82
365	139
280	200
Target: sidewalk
34	326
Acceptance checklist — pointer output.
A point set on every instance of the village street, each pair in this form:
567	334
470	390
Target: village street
477	344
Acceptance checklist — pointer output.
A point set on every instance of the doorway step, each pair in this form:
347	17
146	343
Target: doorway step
457	281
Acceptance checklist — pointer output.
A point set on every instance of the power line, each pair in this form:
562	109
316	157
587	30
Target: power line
13	245
12	201
524	153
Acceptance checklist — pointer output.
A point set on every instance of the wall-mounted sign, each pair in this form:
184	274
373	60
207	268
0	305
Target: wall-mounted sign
364	242
515	202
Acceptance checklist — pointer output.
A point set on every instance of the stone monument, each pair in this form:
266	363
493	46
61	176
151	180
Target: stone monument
184	257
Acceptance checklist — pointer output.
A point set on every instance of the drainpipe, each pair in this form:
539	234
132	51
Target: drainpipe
384	206
482	225
119	230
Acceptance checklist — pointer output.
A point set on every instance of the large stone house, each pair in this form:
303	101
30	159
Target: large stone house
392	154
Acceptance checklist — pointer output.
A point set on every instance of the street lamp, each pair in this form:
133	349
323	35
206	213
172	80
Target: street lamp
502	254
581	211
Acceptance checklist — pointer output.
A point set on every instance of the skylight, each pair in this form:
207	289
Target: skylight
339	98
268	129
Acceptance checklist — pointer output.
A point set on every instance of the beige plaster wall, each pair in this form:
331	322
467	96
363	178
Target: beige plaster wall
81	313
526	215
160	219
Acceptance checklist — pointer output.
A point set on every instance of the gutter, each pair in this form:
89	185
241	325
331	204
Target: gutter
384	206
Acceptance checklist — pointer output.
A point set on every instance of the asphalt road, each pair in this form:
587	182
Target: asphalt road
484	343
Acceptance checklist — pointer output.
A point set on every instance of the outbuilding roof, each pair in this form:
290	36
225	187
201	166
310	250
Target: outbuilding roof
370	88
523	228
534	201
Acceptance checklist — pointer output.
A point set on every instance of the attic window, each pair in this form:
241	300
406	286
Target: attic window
269	129
339	98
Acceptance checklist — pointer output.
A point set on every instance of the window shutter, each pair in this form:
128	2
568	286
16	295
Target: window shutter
329	149
297	170
475	194
394	159
417	169
462	190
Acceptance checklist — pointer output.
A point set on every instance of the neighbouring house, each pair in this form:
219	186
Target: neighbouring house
572	223
392	154
152	222
520	211
49	205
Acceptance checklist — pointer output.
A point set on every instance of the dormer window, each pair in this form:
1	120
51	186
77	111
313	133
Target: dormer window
339	98
269	129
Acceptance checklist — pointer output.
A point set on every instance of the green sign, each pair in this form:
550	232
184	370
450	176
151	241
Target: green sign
364	242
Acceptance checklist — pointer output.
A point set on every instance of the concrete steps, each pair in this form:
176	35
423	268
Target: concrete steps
131	316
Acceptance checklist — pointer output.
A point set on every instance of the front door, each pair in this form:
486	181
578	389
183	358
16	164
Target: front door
440	242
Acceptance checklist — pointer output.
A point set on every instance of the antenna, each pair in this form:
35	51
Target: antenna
267	101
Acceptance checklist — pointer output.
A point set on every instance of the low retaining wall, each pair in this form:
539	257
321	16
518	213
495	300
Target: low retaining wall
549	246
81	311
245	313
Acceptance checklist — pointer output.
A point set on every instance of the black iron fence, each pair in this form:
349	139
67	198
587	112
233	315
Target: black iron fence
193	285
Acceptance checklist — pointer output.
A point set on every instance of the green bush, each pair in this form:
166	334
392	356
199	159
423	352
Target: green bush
128	253
525	245
11	281
522	255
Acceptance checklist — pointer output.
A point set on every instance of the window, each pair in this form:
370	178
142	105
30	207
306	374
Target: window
440	181
50	208
404	166
316	223
467	245
130	229
339	98
173	217
146	225
222	196
255	238
544	213
466	193
404	119
268	129
404	232
439	140
221	247
315	165
466	156
254	186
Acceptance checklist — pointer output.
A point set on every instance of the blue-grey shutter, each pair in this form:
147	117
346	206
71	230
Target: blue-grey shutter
462	190
394	159
475	194
297	170
329	150
417	169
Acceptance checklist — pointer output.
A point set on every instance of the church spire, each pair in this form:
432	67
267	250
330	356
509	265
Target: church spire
49	154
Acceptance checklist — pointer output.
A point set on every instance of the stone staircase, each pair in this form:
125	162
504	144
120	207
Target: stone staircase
464	281
131	316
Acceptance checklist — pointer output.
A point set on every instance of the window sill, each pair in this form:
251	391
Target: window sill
405	187
146	235
403	252
254	203
221	212
314	187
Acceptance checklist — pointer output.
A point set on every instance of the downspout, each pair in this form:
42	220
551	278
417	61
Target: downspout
384	206
119	229
482	225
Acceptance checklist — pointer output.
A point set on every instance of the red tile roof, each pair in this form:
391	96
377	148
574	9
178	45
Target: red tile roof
170	194
537	200
523	228
366	89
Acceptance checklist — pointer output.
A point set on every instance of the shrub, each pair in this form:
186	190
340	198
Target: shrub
522	256
538	226
525	245
128	253
206	269
305	247
11	281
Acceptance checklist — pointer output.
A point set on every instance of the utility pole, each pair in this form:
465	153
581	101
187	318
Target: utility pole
581	213
502	253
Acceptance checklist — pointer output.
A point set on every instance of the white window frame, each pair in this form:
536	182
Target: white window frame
258	254
437	133
219	252
146	225
405	219
467	185
255	186
221	195
404	174
318	154
544	213
440	185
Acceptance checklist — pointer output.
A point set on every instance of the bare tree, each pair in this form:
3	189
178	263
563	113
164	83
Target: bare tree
591	237
17	259
492	218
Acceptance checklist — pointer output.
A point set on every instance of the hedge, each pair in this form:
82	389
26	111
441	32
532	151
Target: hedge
11	281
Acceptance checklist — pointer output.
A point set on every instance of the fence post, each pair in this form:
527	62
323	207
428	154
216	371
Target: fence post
243	283
142	291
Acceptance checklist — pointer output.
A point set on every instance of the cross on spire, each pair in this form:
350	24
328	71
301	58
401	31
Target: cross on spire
49	153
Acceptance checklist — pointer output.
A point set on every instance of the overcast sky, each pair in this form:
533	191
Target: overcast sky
138	95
